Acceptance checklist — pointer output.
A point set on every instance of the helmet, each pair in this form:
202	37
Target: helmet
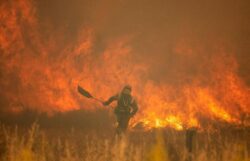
127	89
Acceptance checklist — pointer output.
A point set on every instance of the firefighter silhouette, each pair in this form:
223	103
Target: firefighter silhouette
125	109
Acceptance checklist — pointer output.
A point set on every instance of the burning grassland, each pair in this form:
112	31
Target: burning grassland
188	66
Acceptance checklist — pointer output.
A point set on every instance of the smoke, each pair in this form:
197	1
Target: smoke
185	60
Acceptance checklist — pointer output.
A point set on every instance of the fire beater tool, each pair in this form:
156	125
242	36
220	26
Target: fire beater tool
85	93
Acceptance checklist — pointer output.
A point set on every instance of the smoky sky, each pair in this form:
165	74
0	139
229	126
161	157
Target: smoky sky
155	26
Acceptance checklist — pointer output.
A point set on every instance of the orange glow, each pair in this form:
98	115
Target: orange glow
42	71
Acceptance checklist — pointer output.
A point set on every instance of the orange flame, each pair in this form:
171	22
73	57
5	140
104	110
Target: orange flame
41	70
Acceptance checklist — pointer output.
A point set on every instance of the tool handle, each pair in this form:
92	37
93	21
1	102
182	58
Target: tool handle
97	99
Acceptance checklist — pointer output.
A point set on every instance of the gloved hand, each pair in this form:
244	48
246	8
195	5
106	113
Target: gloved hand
131	115
104	103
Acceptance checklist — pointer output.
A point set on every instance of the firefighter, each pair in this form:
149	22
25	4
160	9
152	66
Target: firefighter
125	109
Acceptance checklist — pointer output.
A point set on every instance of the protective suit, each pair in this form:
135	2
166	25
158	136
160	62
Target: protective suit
125	109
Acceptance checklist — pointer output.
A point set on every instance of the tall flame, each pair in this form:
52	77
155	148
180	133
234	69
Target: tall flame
40	69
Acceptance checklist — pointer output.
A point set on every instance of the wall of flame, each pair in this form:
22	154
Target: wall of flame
177	84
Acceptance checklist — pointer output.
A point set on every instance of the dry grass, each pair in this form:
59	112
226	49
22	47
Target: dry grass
158	145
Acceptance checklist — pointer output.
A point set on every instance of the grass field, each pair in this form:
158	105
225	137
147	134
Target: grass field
37	144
